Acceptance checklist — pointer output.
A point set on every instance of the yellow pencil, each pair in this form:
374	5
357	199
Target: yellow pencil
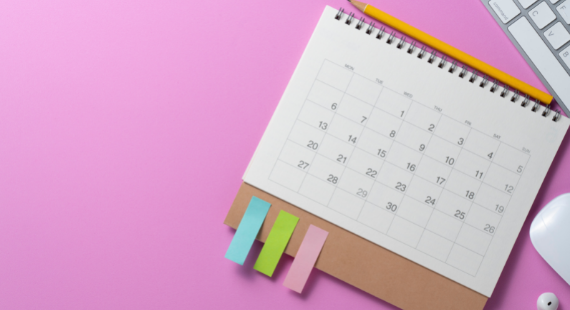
452	52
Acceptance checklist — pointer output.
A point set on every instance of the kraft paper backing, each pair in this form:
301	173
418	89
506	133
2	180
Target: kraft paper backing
362	263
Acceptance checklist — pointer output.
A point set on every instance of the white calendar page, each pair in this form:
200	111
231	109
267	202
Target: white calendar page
405	154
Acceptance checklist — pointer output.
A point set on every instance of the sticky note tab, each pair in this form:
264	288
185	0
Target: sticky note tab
247	230
306	258
276	242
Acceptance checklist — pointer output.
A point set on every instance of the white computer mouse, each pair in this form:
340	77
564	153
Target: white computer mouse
550	235
547	301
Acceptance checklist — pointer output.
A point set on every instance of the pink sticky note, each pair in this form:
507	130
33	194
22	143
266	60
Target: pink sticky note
306	258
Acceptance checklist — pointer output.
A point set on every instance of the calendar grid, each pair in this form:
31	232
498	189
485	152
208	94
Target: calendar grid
298	113
410	197
480	184
343	94
423	130
451	217
423	155
419	161
499	222
389	149
444	187
466	212
393	125
345	167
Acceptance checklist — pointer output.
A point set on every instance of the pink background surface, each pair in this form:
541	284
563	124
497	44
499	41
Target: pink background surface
125	128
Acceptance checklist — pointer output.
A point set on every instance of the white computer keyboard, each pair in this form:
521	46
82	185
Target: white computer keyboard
541	32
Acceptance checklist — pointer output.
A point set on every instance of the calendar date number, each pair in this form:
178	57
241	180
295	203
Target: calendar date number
500	208
362	193
333	179
401	186
312	145
460	215
391	207
341	158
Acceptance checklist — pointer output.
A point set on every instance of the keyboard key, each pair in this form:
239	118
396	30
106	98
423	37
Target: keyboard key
543	59
527	3
505	9
557	35
565	55
564	10
542	15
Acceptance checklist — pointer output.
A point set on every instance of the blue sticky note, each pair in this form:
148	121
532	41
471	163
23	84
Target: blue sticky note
247	230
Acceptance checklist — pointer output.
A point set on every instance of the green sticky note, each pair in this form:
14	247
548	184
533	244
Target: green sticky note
276	242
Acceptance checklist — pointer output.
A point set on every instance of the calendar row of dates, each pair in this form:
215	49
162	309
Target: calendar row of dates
378	129
413	216
388	186
392	163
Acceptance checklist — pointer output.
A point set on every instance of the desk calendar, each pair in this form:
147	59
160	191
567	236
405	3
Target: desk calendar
412	153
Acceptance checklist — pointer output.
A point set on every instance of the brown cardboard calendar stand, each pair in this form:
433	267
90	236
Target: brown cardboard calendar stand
362	263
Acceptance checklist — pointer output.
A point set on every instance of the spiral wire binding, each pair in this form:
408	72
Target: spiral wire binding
494	86
402	42
349	18
412	47
505	91
391	37
536	106
546	112
484	82
360	22
453	66
515	96
370	28
463	71
525	101
422	52
339	14
432	56
443	62
380	33
474	76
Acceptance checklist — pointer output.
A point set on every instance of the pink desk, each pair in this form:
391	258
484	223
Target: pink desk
125	128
